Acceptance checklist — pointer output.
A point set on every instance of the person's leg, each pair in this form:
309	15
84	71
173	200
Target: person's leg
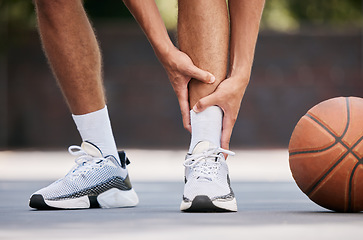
203	33
72	50
74	56
100	178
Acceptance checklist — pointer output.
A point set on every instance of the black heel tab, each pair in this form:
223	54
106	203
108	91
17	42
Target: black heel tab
123	159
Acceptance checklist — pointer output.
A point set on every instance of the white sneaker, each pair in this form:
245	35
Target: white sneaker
207	185
95	181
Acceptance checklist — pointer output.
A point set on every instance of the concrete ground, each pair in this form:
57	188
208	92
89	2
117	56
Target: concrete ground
270	204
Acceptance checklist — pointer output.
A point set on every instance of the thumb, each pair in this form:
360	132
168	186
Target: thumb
205	102
201	75
227	129
184	108
186	116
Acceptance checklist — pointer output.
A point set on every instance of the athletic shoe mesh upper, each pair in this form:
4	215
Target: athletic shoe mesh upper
91	175
206	173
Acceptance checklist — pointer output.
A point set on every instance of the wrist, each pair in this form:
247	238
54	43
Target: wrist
242	71
163	49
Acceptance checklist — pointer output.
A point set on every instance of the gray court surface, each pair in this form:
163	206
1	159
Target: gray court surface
270	204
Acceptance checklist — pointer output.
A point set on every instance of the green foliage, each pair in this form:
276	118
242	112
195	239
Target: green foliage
169	11
287	15
17	14
277	16
280	15
327	12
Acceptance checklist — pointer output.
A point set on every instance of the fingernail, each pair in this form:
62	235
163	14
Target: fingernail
213	79
195	108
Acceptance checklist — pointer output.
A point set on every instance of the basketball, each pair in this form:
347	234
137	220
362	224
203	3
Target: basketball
326	154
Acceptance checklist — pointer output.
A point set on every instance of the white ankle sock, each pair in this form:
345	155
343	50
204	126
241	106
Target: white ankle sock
206	126
95	127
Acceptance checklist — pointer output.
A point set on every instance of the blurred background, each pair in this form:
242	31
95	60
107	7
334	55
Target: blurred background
308	51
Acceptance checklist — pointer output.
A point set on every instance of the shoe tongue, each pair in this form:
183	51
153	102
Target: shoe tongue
91	149
202	147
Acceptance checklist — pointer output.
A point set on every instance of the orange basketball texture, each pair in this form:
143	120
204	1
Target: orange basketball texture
326	154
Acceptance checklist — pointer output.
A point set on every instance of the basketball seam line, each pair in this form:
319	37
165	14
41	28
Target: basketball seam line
313	151
353	171
348	150
337	139
350	187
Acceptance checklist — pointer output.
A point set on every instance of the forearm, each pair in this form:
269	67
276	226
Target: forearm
147	15
245	21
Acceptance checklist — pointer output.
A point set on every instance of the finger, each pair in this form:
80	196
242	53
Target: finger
228	124
206	102
184	108
201	75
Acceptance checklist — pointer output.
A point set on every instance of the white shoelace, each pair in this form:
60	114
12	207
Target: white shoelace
206	164
84	161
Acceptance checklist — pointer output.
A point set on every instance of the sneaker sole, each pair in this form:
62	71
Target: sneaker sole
204	204
112	198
